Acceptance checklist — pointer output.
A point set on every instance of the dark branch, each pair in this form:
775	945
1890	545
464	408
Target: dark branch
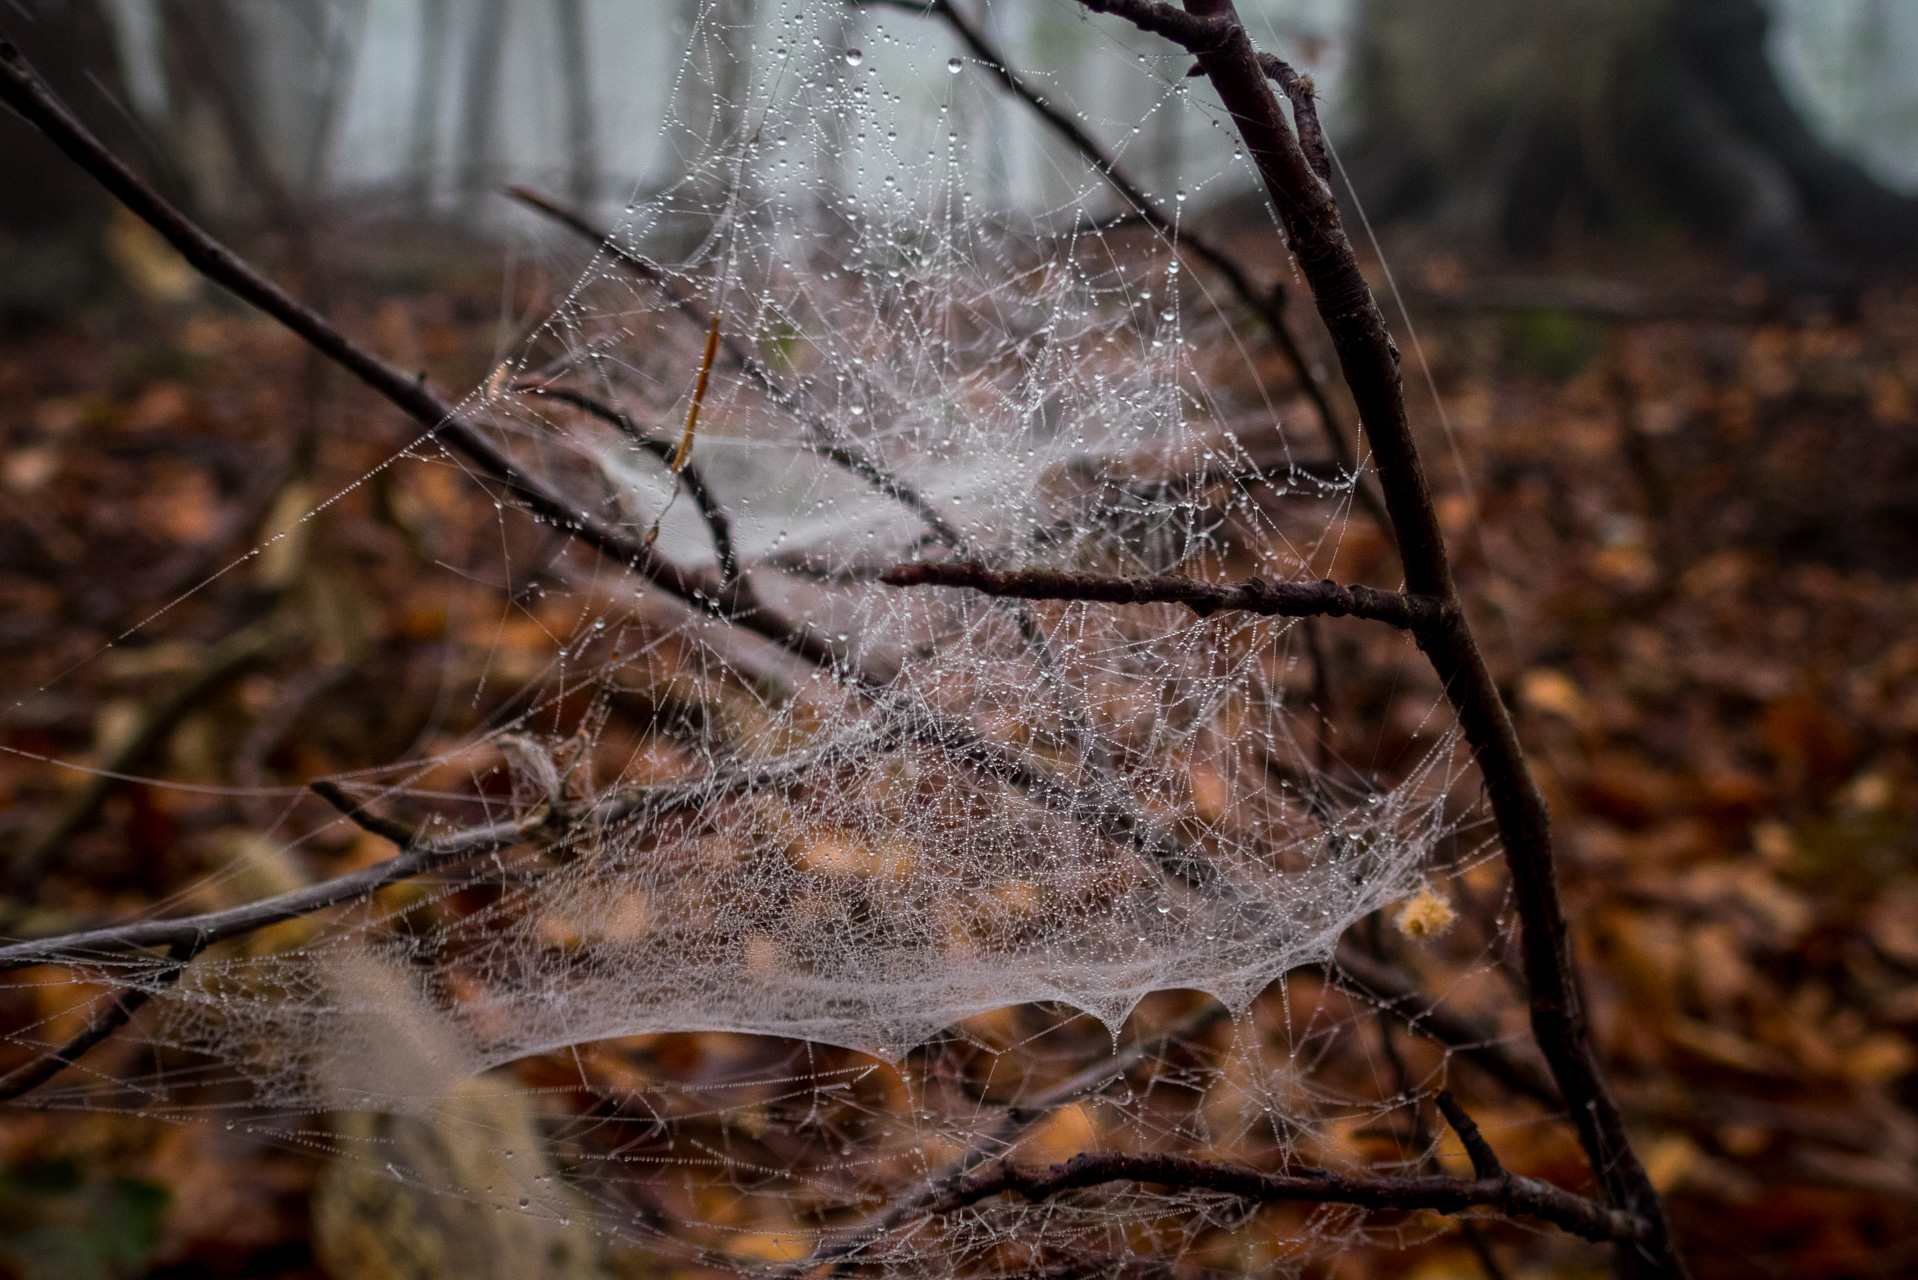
1506	1193
25	1079
823	437
1485	1162
1268	305
365	819
842	1249
1283	599
22	89
1391	989
1369	360
718	524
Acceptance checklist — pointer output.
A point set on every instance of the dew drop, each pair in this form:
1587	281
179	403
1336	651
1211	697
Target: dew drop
954	66
854	57
524	1202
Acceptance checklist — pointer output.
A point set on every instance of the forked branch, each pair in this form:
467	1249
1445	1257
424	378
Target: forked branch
1368	358
1510	1195
1267	305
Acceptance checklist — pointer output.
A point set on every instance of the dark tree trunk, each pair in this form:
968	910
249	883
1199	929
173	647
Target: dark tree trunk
1503	119
52	215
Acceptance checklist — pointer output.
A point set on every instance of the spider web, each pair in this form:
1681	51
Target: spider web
1004	880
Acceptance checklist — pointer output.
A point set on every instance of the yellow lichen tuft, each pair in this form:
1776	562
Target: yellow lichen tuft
1426	914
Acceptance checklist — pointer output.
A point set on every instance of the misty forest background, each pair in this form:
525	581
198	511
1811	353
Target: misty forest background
1659	256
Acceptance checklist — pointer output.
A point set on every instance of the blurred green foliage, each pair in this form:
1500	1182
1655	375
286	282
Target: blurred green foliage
58	1224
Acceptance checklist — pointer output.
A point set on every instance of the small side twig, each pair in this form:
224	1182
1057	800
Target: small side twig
1282	599
824	438
365	819
718	524
1485	1162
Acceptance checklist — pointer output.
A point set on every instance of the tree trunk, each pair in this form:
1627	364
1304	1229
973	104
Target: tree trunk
1502	120
424	149
479	95
575	70
52	215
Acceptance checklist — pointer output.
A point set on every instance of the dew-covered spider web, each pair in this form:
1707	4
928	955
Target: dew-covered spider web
777	943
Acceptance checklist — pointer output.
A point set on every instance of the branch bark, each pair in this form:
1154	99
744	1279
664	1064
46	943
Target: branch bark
1325	599
1267	305
1511	1195
1369	360
25	1079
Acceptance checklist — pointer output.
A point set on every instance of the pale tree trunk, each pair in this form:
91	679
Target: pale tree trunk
429	78
575	70
479	102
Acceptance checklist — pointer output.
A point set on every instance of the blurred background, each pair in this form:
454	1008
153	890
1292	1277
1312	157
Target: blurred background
1656	255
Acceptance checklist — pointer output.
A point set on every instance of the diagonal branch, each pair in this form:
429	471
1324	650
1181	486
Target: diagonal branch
1268	305
25	1079
1507	1193
1388	987
823	437
22	89
1283	599
1369	361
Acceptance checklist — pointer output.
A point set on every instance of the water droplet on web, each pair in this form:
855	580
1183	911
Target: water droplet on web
857	410
524	1202
854	57
1179	195
954	66
1165	911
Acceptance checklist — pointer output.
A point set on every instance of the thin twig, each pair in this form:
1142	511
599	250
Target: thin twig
718	524
1388	987
1283	599
823	437
1485	1161
1268	305
1508	1194
23	90
1370	362
401	835
25	1079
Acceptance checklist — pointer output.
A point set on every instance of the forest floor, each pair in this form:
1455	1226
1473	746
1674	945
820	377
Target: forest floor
1689	539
